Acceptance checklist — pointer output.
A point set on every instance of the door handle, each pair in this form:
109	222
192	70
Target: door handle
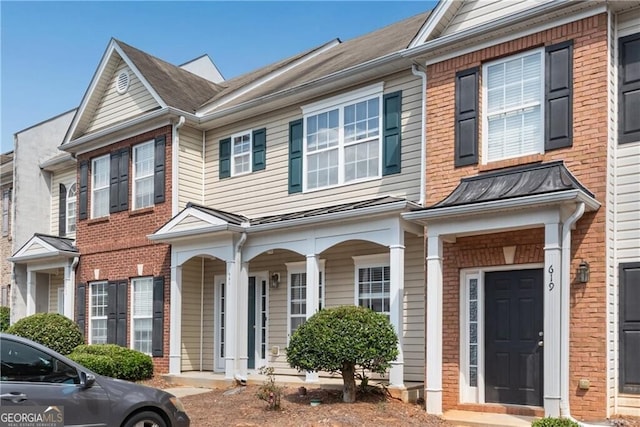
15	397
540	343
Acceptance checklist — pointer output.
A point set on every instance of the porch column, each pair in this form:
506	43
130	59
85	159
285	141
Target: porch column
396	296
552	306
69	289
433	384
175	321
31	292
231	328
243	318
313	298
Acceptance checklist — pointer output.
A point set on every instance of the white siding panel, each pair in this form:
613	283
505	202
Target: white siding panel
628	203
65	177
253	194
191	317
191	167
629	23
56	281
114	107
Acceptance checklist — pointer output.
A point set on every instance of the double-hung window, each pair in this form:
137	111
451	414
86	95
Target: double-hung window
373	282
99	301
241	153
71	208
298	293
342	139
513	104
100	176
142	314
6	198
143	175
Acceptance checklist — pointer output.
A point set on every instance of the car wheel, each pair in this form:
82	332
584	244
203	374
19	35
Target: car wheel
145	419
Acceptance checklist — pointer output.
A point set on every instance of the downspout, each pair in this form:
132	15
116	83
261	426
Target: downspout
175	162
415	69
565	315
72	272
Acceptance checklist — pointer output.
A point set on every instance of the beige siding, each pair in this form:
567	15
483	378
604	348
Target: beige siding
67	178
477	12
271	184
191	167
56	281
114	107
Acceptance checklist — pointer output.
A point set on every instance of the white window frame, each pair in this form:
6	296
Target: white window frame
92	318
298	268
340	102
244	153
133	317
6	199
485	106
370	261
147	176
60	293
70	212
95	188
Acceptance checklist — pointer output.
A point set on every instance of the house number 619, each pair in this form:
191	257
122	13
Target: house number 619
551	284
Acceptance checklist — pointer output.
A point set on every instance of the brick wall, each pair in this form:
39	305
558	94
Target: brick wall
586	159
113	246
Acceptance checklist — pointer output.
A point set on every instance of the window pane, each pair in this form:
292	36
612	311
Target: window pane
144	192
374	288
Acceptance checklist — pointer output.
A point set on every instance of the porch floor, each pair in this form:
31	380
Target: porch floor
411	392
484	419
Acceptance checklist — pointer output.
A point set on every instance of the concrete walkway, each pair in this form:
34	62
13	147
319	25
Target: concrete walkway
186	391
483	419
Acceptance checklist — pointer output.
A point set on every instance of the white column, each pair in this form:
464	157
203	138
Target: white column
396	296
231	328
69	289
552	322
31	292
175	321
243	317
313	298
433	386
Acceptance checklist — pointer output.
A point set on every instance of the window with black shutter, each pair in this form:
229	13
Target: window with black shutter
629	89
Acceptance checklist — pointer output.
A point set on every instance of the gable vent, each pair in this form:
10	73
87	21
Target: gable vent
122	83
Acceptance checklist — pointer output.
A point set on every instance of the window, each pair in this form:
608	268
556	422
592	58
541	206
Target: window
6	199
142	314
100	187
373	282
342	139
298	293
241	153
21	362
513	105
71	208
98	310
143	175
629	89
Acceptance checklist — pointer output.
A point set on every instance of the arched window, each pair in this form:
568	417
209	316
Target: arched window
71	208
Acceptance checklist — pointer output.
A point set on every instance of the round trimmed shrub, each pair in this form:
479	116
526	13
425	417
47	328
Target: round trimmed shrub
5	318
128	364
53	330
554	422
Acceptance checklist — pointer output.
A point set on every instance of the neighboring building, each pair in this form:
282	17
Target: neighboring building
6	190
533	169
214	218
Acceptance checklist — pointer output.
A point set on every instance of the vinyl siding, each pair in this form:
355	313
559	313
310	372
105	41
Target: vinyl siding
114	107
477	12
191	164
269	185
56	281
66	177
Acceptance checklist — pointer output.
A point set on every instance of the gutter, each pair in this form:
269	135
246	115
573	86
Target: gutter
175	164
48	255
199	232
415	69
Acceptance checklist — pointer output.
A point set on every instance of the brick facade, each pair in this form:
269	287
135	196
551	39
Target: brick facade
586	159
114	246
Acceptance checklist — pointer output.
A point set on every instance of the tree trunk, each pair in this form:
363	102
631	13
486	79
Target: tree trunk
349	383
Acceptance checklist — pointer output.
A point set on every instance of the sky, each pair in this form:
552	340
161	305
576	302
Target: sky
49	51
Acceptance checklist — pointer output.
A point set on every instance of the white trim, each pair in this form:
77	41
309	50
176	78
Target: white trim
90	316
131	315
105	157
232	163
344	98
297	268
67	210
371	261
60	304
135	178
218	306
434	19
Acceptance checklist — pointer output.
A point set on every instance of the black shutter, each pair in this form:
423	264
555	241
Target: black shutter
629	88
295	156
225	158
466	117
84	190
121	314
81	307
629	328
159	174
558	129
259	149
112	312
62	211
119	181
158	317
392	138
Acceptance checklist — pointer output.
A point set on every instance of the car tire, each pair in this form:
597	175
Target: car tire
145	419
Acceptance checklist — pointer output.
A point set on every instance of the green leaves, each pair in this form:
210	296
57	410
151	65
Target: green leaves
53	330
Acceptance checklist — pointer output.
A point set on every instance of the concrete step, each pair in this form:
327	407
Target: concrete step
483	419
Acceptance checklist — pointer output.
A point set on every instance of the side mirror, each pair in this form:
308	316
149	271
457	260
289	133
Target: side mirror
86	380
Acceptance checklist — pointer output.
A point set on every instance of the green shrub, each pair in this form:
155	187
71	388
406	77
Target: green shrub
103	365
5	318
53	330
129	364
554	422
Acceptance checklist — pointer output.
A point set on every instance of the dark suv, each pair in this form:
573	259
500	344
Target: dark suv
38	384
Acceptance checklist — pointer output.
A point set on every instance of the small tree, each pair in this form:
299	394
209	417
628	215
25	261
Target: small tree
339	340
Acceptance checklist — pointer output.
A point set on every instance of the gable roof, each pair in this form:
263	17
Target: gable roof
45	247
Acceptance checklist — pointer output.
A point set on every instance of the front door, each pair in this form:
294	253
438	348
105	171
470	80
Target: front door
513	337
257	322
